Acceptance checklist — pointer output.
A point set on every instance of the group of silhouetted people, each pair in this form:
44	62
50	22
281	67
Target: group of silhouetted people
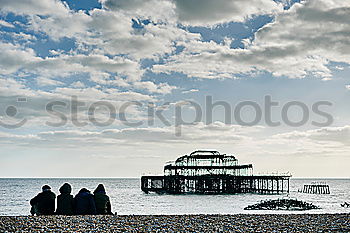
84	203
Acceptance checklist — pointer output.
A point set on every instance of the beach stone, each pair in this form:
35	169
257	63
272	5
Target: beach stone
180	223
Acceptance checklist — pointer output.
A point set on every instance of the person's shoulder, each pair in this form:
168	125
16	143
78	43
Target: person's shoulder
36	197
40	195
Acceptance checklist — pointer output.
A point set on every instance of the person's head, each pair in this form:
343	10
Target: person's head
84	190
46	188
66	188
100	189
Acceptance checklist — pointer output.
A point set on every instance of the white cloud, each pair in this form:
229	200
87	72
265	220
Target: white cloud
162	88
325	142
93	94
200	133
6	24
53	24
15	57
103	46
301	41
190	91
208	12
98	32
31	7
23	36
44	81
339	135
194	12
78	84
34	108
152	41
155	10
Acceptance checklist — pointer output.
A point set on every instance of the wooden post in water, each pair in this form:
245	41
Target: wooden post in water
316	188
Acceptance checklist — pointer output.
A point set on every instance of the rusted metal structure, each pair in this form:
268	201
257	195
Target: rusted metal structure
209	172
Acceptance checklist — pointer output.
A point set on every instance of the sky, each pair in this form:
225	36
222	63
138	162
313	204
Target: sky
116	88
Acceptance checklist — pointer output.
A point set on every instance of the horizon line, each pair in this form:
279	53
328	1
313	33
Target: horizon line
141	176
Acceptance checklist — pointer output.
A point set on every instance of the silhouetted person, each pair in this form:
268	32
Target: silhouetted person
65	201
84	203
102	202
44	202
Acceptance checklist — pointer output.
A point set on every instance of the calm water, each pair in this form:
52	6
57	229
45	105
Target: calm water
127	198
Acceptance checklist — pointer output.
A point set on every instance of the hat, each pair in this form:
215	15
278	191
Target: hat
46	187
100	188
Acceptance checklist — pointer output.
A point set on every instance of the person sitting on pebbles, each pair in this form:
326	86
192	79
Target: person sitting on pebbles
84	203
102	202
65	201
44	202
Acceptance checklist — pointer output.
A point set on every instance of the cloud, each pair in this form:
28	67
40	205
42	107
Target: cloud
339	135
78	84
53	24
44	81
23	37
154	10
93	94
331	141
6	24
31	7
300	41
194	12
34	108
152	40
199	133
190	91
97	32
207	12
162	88
10	87
109	52
15	57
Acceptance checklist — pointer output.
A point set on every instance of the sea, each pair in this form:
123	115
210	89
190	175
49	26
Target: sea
128	199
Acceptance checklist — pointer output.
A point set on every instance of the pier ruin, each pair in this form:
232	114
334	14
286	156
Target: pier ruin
209	172
316	188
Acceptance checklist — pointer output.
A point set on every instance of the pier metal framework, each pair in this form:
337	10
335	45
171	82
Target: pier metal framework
209	172
200	163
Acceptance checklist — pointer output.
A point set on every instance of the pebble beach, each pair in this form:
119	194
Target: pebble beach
179	223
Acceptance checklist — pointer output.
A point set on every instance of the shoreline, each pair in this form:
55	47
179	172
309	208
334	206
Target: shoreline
183	223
